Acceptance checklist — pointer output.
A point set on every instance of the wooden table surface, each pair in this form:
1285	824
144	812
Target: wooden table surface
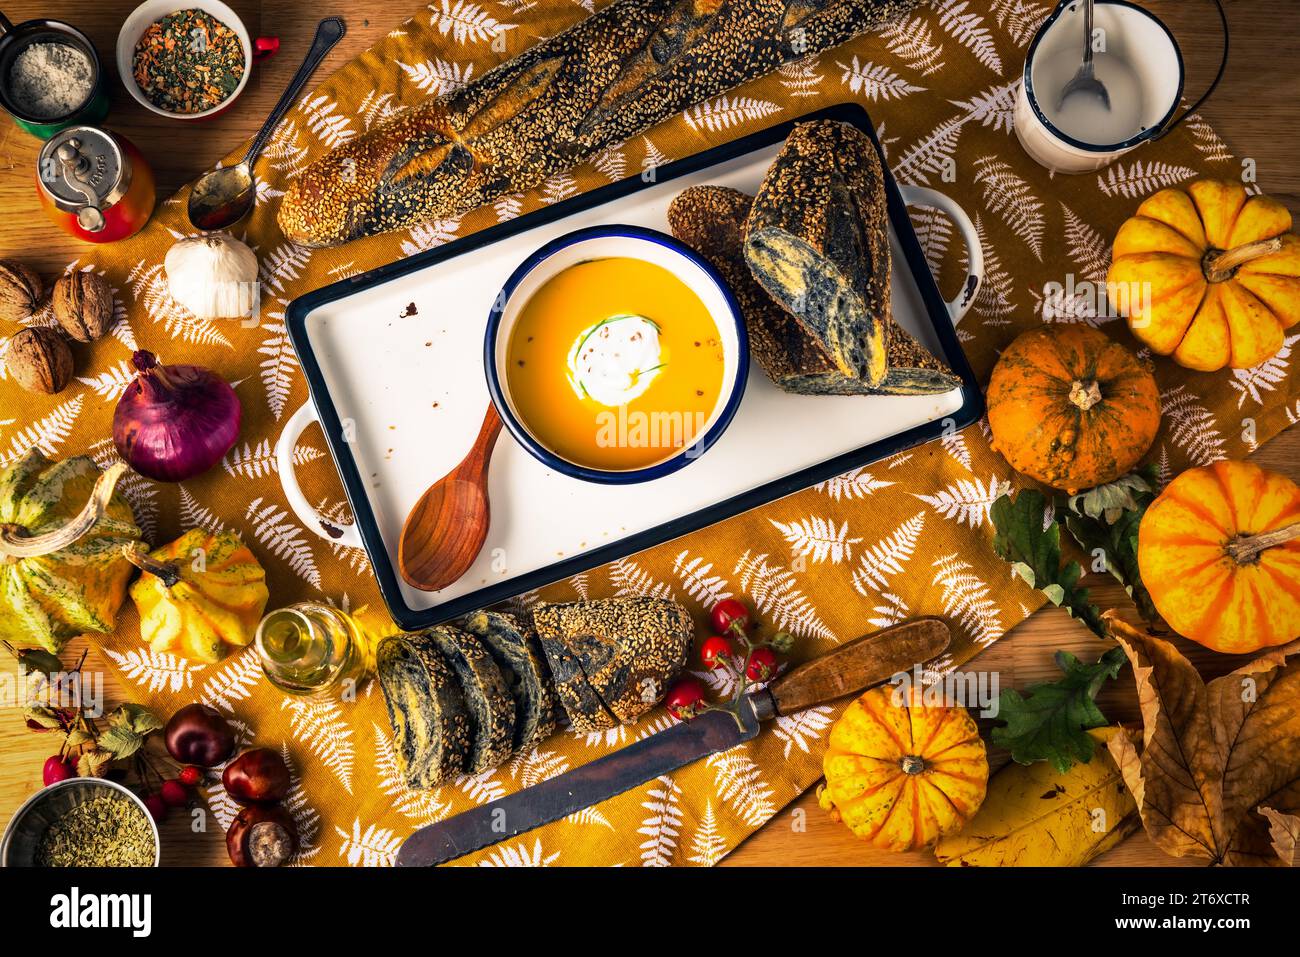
1256	109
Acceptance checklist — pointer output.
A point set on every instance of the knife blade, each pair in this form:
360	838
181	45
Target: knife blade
850	668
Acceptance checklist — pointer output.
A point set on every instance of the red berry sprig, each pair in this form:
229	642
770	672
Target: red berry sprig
732	621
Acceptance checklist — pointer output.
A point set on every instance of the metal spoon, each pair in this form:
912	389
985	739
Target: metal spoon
1084	81
222	197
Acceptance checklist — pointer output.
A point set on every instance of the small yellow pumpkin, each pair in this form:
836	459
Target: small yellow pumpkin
901	773
1209	274
1219	551
199	595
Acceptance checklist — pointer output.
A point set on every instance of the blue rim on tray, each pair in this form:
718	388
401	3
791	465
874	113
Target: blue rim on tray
383	565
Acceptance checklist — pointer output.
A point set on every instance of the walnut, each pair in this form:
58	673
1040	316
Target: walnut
20	290
40	360
83	304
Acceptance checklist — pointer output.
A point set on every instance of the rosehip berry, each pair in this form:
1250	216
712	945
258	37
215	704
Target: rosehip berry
57	769
174	794
714	650
685	699
729	616
190	776
156	806
762	664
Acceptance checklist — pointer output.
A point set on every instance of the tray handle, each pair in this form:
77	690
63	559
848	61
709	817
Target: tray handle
921	196
293	429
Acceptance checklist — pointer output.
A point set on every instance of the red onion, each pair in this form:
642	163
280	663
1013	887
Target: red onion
174	422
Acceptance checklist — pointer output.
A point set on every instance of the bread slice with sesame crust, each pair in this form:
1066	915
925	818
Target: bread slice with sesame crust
487	697
629	650
817	239
586	712
513	646
431	723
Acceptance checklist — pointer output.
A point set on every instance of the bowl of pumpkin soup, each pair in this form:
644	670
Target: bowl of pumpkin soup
615	354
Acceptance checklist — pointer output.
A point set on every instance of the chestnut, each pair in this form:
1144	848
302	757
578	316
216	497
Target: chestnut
262	835
198	734
256	777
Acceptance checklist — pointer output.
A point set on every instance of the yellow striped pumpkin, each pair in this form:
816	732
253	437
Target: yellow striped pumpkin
900	773
62	532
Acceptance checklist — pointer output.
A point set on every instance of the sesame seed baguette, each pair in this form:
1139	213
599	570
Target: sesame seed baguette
615	74
628	649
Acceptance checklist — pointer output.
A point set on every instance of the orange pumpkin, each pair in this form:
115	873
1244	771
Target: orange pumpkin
1071	408
1210	275
1219	551
900	773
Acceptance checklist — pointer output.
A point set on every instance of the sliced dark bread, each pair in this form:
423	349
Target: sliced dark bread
487	697
513	646
431	724
817	239
628	650
711	220
586	712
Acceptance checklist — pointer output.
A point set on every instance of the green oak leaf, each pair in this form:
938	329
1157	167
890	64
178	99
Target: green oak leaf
1049	723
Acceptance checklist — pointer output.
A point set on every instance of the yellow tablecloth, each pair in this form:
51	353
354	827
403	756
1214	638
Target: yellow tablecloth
906	536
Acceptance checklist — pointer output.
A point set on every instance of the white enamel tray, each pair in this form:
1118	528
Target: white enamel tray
401	397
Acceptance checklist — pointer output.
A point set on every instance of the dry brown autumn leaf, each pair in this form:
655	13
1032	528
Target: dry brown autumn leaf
1218	775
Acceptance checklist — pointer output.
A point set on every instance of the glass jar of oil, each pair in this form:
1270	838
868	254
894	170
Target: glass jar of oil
309	648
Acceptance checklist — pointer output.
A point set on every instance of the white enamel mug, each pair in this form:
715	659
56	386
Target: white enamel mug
1132	34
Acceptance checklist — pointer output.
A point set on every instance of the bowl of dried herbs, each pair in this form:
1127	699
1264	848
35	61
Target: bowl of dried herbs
81	822
186	63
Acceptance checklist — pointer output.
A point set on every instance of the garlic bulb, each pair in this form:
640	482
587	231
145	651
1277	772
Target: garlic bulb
214	276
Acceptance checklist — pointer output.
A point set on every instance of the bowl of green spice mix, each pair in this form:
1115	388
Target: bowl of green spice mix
81	822
187	59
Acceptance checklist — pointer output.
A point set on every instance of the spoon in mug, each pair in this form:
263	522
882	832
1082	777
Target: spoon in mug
445	531
1084	81
222	197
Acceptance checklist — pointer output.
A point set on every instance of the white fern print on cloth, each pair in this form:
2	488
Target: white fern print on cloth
1138	178
968	600
741	785
698	580
1010	197
438	76
707	843
775	594
369	846
319	724
874	81
858	483
520	855
724	112
818	538
466	22
662	824
967	501
879	563
155	670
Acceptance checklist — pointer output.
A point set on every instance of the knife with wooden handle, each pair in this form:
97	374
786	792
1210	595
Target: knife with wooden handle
847	670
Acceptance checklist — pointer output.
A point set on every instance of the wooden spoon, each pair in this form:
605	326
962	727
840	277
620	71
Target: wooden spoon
444	532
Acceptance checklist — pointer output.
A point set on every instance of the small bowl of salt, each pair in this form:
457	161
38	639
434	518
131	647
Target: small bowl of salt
50	77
